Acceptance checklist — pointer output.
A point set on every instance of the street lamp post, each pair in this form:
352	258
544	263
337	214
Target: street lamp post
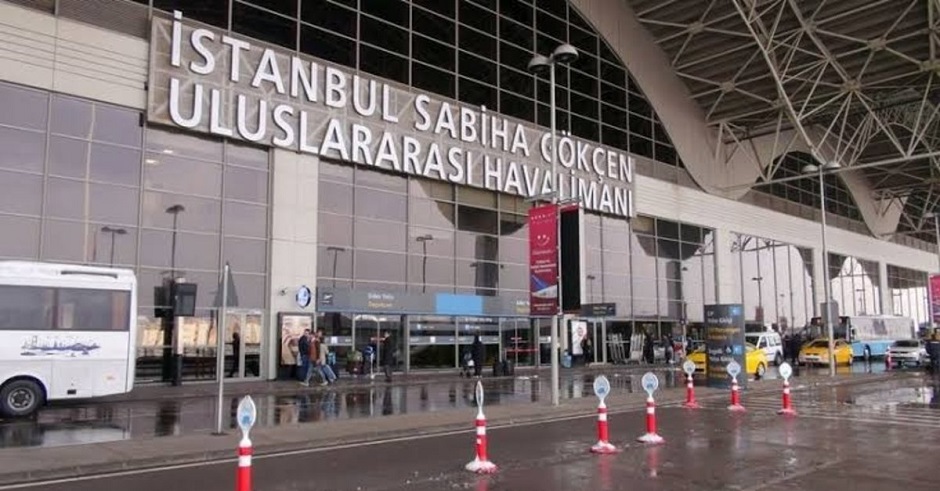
424	239
760	298
819	171
591	279
174	210
335	250
564	54
113	231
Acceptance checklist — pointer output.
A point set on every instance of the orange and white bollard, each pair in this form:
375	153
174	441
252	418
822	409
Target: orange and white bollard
735	397
787	403
690	401
243	479
651	435
603	444
481	463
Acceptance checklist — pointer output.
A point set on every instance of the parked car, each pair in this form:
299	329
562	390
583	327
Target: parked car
817	352
755	360
905	351
769	342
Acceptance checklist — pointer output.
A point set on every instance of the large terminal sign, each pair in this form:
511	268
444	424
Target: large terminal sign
204	80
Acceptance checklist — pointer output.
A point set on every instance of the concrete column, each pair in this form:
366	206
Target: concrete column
293	249
887	305
727	289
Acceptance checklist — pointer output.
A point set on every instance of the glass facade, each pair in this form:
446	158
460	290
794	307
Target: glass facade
775	282
86	183
854	284
806	191
475	51
909	293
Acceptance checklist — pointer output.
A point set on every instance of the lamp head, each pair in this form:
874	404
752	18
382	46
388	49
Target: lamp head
565	54
832	166
810	169
539	64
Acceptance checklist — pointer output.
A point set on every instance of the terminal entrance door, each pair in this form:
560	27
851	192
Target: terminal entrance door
243	343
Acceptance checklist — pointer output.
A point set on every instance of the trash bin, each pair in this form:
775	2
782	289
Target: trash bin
566	359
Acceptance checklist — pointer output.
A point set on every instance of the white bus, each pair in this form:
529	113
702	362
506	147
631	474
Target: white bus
66	332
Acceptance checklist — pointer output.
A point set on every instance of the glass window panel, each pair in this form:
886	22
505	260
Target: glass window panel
477	43
184	145
380	266
334	229
520	83
245	220
199	214
478	68
334	262
426	188
23	107
477	17
383	63
63	241
180	175
431	213
245	255
550	25
119	126
381	180
20	237
22	150
71	117
613	116
436	271
286	7
193	251
478	274
67	157
433	53
513	251
477	197
251	291
385	236
514	277
246	184
247	156
585	128
477	220
383	34
477	246
113	204
125	244
515	226
118	165
336	172
20	193
263	25
517	107
433	26
431	79
65	198
372	203
517	11
335	197
213	12
442	7
328	46
475	93
330	15
394	12
441	242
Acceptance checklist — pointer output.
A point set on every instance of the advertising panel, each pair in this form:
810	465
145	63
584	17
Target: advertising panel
543	260
724	341
935	298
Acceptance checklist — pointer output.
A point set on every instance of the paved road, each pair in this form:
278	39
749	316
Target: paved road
874	436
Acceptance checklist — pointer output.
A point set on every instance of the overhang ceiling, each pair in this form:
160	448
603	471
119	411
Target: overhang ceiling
856	79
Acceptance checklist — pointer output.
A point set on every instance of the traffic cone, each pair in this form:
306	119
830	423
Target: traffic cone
690	393
481	464
787	403
651	436
603	446
735	397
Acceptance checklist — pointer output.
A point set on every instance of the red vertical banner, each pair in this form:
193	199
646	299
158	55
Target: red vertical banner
935	298
543	260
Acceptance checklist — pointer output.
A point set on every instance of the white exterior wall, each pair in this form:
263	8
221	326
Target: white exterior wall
41	51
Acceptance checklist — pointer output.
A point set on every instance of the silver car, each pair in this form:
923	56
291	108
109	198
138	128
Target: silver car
908	351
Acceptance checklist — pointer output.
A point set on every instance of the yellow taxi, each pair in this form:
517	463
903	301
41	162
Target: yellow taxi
817	351
755	360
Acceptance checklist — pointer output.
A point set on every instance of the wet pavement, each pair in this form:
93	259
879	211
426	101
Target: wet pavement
869	436
94	422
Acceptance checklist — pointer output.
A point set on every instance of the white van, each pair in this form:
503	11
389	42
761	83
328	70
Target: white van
768	341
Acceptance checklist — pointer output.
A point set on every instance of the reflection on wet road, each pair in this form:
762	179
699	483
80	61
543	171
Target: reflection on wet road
92	422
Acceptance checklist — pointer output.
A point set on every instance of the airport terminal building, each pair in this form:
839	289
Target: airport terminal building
369	166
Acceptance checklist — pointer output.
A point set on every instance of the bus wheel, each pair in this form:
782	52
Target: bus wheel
20	398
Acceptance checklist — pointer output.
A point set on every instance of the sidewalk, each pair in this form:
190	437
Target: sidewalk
31	464
158	391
